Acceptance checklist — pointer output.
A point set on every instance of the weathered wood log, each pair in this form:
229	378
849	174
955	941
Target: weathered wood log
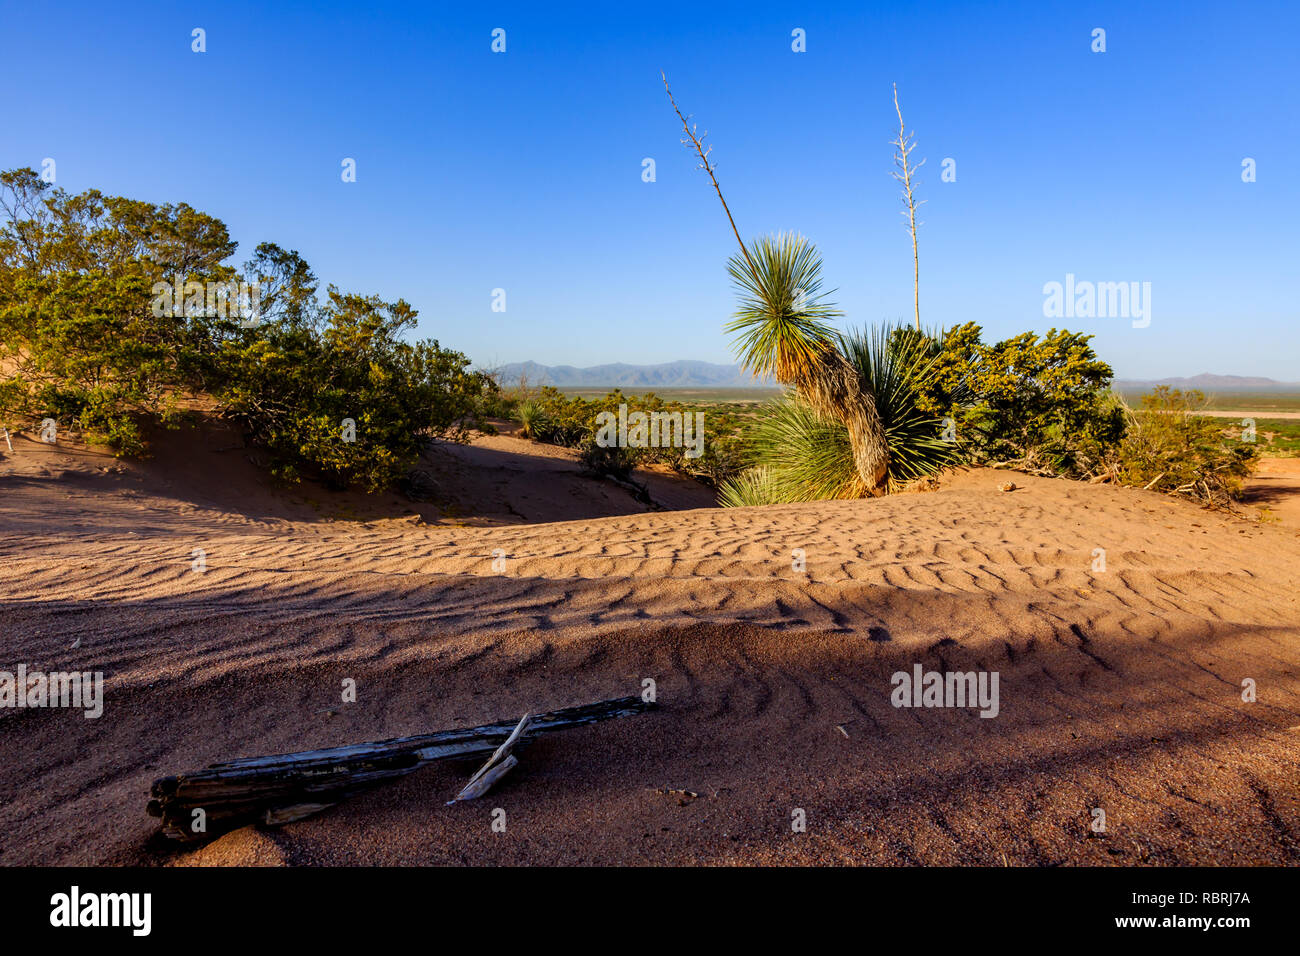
284	787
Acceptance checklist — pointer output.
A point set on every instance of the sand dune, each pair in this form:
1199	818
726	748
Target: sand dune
1120	689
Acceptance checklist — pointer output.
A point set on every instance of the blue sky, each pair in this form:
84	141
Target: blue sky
522	170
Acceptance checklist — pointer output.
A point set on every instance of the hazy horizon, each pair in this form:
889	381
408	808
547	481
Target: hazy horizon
512	368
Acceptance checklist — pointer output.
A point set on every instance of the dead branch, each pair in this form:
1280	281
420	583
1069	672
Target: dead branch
696	139
284	787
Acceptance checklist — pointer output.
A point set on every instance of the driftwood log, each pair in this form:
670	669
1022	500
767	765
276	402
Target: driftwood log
286	787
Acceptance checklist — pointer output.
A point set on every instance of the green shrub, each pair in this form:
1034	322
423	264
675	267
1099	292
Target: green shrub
607	461
1168	447
293	388
85	340
1042	404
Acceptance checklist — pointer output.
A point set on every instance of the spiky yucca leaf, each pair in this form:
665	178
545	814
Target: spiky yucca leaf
532	418
803	455
752	486
799	455
897	363
783	318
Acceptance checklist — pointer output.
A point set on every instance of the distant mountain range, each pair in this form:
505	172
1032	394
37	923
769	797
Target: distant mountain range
1208	382
683	374
688	374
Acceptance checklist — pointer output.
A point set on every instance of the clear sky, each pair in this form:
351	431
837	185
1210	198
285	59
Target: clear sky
522	170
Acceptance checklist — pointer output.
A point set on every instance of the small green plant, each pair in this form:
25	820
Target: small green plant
533	419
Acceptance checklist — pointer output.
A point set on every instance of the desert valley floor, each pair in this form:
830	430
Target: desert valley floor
1120	689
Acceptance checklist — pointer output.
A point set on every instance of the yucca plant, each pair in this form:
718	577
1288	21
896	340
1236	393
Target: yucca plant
898	365
532	418
753	486
802	454
784	331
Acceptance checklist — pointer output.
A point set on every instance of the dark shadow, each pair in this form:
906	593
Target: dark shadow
745	700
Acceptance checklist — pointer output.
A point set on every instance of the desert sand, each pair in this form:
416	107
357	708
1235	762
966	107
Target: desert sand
1119	689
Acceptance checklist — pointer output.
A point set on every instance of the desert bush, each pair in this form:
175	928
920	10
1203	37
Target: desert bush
607	461
84	339
291	388
1042	404
497	403
571	421
1169	447
79	339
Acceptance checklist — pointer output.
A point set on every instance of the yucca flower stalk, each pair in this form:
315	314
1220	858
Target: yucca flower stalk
783	330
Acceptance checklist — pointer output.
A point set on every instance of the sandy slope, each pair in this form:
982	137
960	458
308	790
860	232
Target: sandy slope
1119	690
1274	491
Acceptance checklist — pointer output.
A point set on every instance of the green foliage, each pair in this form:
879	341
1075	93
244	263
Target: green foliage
1171	448
898	365
799	454
79	339
783	320
497	403
1043	404
752	487
571	421
1279	436
84	339
559	419
602	461
533	418
292	388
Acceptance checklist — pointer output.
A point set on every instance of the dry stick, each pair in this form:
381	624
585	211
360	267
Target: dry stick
494	769
705	165
904	149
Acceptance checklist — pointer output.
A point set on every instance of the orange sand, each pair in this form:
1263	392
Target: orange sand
1120	690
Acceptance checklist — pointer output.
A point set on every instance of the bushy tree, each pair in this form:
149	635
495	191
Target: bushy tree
352	403
79	338
91	336
1043	403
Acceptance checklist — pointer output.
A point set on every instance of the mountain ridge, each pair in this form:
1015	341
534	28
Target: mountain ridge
1208	381
684	373
688	373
